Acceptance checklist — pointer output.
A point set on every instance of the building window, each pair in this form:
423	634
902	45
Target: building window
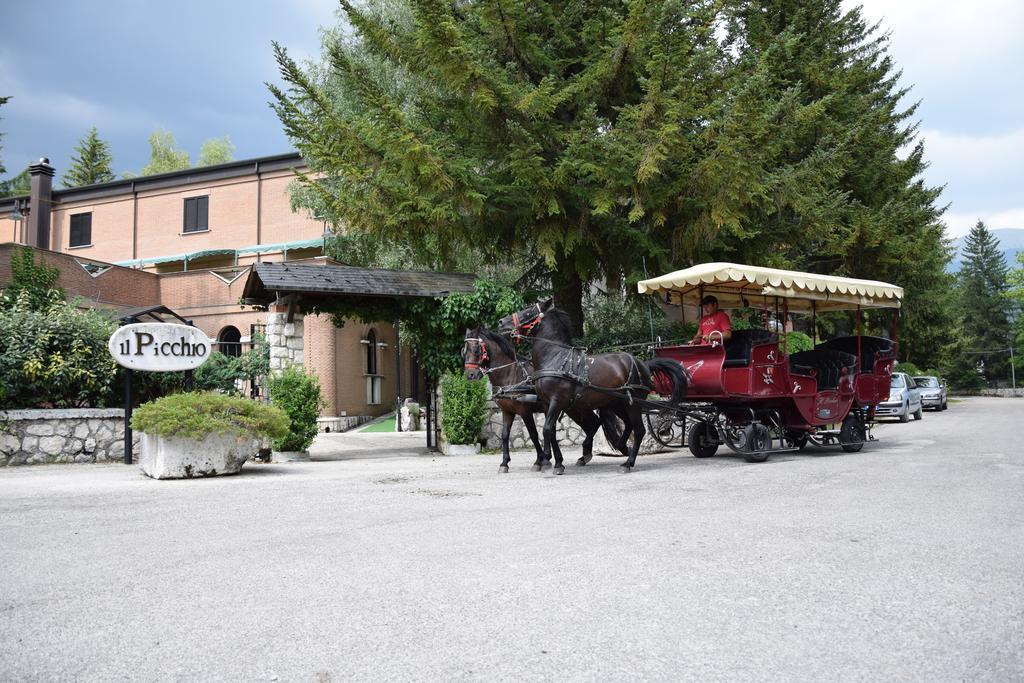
230	341
371	352
197	211
81	230
373	378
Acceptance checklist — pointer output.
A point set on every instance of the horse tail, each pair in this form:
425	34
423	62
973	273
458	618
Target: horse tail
673	371
611	426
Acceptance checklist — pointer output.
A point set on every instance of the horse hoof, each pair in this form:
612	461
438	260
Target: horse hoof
559	470
535	468
625	469
546	464
503	469
581	462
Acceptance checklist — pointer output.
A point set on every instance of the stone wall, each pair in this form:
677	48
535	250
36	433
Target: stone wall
30	437
1003	393
568	433
285	340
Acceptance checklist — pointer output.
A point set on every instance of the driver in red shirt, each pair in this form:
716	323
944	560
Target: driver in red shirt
713	320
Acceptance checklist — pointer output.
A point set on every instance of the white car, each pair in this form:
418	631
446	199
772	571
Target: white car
904	399
933	392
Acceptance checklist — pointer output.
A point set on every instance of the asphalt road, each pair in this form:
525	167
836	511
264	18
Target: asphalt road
902	562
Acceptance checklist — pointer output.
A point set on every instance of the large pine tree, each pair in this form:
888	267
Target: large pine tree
91	163
983	304
592	135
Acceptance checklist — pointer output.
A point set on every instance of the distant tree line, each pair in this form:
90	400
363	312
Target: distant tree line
92	161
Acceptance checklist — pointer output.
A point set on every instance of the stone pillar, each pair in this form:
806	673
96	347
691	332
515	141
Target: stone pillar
285	338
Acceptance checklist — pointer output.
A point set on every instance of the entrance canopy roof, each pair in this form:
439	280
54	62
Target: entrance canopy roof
269	280
736	286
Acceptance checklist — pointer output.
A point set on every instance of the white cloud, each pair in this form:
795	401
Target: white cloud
37	102
974	157
949	40
958	224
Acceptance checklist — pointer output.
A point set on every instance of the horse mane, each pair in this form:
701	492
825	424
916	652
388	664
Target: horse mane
561	321
500	341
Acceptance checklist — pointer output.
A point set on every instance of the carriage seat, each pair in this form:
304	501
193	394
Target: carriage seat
872	349
739	348
825	365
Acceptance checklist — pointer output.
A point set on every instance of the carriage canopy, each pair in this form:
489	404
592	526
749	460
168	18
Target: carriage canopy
738	286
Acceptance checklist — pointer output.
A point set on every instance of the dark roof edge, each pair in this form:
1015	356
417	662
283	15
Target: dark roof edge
200	174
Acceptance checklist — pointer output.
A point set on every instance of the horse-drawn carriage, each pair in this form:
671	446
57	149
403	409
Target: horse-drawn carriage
746	392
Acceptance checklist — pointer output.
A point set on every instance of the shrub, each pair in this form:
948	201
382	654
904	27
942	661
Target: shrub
55	355
194	415
298	395
797	342
464	408
614	323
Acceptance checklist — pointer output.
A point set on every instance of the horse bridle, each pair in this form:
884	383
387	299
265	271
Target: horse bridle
484	357
521	330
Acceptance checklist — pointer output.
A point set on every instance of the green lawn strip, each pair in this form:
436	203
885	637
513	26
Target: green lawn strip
387	425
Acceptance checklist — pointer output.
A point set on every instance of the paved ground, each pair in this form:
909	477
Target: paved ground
902	562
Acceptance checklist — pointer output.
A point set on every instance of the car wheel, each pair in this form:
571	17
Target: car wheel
919	413
943	406
905	415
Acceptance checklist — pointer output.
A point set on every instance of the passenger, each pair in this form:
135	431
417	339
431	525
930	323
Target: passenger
713	320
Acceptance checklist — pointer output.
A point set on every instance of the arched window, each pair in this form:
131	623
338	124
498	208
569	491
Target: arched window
371	352
230	341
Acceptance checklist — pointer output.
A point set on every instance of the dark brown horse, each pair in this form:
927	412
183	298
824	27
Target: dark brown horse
488	353
566	378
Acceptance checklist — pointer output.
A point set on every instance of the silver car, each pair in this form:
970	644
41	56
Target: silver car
933	392
904	399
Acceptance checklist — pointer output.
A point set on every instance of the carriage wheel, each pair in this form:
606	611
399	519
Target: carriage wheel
667	429
703	439
757	441
852	434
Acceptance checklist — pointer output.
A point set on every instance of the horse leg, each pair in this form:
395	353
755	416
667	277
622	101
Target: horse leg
550	436
635	416
590	426
531	428
623	443
508	418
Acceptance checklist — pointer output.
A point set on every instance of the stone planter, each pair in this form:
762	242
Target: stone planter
183	458
461	448
289	456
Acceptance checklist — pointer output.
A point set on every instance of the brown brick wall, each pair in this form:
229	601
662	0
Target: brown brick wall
117	287
160	220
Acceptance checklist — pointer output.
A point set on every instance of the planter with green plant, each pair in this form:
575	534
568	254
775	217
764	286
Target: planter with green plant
297	394
463	413
203	434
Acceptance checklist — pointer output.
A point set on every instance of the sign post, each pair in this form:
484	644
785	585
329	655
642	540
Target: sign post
155	347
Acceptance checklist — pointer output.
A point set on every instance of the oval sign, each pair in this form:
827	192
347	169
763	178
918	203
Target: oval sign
159	347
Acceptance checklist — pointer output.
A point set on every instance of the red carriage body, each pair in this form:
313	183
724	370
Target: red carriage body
752	379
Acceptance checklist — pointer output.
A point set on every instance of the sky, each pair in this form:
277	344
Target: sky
197	69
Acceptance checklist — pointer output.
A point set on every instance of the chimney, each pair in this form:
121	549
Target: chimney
40	203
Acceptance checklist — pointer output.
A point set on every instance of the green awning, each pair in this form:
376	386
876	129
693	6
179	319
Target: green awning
254	249
282	246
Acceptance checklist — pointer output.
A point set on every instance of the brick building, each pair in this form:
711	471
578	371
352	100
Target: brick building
188	240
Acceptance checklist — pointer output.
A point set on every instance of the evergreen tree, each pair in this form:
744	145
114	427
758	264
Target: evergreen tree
216	151
163	155
16	185
91	163
591	135
984	306
871	215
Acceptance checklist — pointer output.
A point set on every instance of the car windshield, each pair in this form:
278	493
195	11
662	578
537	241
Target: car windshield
897	382
929	382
